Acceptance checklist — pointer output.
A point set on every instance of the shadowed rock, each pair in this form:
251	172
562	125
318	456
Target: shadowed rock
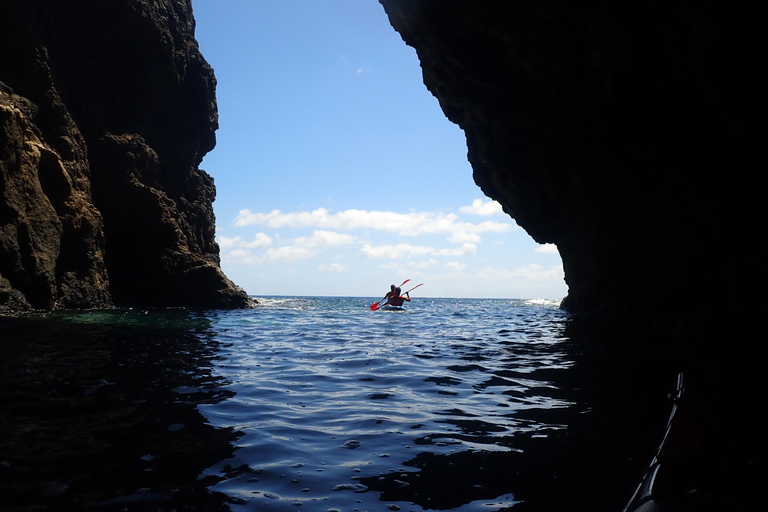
106	111
616	132
623	134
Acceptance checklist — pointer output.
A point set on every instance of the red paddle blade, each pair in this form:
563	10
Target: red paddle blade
374	306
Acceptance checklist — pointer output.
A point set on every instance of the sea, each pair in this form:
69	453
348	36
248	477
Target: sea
318	404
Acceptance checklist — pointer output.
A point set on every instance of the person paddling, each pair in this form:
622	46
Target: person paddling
391	294
397	300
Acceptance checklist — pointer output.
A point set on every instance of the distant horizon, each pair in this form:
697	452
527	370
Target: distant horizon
414	298
337	172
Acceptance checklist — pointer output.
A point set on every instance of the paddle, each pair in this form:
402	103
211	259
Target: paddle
422	284
375	305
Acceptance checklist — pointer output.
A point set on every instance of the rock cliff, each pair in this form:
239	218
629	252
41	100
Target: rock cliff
106	111
616	131
625	134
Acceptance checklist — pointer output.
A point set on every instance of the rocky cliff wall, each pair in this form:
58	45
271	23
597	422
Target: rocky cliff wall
106	111
618	132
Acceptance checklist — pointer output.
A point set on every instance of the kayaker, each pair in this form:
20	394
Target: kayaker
398	299
390	295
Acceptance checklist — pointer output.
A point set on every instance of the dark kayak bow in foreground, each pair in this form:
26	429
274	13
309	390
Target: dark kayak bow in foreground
693	469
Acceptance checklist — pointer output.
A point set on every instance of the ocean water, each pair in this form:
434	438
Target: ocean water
319	404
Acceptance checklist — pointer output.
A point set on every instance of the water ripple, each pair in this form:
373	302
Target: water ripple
314	404
327	394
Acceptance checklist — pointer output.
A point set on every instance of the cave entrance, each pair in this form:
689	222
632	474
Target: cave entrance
337	171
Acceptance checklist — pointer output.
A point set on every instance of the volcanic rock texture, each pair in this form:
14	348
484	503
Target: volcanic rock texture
617	131
106	111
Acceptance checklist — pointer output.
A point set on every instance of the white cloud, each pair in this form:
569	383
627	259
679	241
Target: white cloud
228	243
239	253
479	207
394	251
466	248
259	240
404	250
286	253
324	239
454	266
533	271
421	264
299	248
547	249
404	224
461	237
330	232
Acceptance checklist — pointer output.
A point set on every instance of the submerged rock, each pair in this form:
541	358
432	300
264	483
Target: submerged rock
106	111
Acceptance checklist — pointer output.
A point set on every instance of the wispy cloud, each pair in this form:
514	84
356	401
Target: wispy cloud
321	239
399	251
259	240
285	253
403	224
303	247
332	229
344	59
531	272
461	237
547	249
480	207
443	247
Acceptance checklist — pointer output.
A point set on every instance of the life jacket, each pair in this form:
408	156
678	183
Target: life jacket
396	301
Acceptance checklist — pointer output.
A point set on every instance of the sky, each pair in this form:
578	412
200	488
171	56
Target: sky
336	172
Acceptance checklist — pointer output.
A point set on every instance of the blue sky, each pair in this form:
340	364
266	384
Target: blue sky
336	171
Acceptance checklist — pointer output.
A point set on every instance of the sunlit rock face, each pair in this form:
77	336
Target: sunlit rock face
106	111
615	131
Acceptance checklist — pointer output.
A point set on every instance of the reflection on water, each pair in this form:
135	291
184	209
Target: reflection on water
100	411
319	404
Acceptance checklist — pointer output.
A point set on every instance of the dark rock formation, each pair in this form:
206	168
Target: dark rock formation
621	133
106	111
615	131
